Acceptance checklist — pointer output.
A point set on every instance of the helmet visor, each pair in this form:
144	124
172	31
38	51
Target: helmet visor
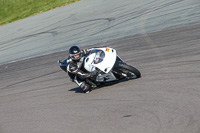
75	56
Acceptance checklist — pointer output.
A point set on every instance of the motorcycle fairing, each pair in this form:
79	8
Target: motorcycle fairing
105	64
106	77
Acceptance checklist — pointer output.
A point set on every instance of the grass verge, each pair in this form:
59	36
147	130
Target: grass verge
12	10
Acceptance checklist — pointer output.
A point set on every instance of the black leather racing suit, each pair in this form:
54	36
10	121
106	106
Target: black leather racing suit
75	67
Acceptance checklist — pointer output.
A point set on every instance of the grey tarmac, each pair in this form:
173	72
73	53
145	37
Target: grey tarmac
36	96
160	38
91	22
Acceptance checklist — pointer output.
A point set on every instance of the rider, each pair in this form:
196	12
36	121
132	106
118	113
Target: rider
75	67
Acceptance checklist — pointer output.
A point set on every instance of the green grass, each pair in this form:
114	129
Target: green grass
12	10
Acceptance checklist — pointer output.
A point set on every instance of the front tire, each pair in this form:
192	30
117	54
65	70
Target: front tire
129	71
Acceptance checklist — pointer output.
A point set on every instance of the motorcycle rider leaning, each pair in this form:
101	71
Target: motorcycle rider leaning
75	67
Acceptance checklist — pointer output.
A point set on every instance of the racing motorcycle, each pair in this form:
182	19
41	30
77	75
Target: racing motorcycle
110	66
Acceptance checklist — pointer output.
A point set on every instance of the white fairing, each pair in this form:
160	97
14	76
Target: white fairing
103	59
106	65
108	77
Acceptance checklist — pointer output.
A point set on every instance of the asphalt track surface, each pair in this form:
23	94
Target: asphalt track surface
36	96
92	22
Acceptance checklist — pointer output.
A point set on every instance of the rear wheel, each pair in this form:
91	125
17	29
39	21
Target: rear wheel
129	71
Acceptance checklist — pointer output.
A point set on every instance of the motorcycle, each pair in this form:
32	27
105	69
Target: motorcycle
110	66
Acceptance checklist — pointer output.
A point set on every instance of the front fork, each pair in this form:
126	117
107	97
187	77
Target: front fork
117	68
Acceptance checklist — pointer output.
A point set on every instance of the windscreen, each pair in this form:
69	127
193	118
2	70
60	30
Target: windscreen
99	55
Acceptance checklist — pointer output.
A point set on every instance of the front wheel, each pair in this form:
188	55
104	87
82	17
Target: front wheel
129	71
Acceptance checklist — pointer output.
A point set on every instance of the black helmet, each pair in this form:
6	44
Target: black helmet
75	52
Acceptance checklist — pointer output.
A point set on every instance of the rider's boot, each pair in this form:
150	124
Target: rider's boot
86	87
93	85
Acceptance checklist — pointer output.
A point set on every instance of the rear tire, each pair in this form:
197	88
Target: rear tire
128	70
